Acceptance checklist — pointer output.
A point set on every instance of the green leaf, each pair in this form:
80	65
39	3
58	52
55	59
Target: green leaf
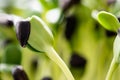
40	35
108	21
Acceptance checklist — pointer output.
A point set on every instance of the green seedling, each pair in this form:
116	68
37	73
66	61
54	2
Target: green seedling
41	40
35	34
110	22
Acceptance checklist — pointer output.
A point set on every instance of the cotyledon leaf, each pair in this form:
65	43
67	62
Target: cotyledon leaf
40	35
108	21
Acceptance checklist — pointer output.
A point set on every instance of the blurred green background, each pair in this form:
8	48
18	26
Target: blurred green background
85	46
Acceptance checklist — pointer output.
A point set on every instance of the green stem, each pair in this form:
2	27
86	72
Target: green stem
112	69
52	54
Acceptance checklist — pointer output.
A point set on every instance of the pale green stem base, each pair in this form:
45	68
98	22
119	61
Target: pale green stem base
52	54
112	69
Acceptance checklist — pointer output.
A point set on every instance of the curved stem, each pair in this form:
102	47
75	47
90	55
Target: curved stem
112	69
52	54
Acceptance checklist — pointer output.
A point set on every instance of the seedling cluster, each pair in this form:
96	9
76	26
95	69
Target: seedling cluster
59	40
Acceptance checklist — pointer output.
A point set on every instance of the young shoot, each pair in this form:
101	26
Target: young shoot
35	34
110	22
41	40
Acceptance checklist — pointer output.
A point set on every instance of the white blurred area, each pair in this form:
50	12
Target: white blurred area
33	5
53	15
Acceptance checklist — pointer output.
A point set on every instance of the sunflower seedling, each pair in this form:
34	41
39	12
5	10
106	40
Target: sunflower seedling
22	31
110	22
40	40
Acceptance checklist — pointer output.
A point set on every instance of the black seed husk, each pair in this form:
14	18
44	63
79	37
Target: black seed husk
77	61
47	78
23	32
19	74
71	25
110	33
